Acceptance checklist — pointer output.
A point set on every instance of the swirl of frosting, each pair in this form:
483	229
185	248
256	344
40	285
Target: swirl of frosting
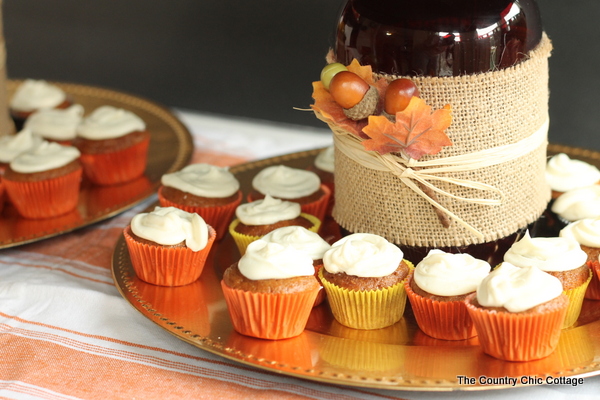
56	123
546	253
564	174
445	274
364	255
578	203
285	182
13	145
169	226
585	231
108	122
517	289
301	239
46	156
36	94
268	260
203	180
267	211
325	159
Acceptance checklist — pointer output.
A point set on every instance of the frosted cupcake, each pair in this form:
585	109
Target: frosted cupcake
213	192
564	174
13	145
270	291
324	166
587	233
58	125
437	289
578	204
168	246
561	257
33	95
114	145
363	275
292	184
518	313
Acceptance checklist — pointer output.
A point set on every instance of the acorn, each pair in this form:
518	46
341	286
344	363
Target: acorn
357	98
398	95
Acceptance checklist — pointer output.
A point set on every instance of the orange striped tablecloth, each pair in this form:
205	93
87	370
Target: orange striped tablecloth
66	333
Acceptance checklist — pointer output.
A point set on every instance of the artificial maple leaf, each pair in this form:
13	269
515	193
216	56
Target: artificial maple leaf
416	132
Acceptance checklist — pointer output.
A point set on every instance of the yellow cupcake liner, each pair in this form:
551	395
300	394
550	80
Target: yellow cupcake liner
576	296
242	241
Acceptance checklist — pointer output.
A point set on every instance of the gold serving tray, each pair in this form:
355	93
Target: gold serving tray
171	148
398	357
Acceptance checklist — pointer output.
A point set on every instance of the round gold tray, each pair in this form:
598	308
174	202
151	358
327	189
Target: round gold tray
170	149
397	357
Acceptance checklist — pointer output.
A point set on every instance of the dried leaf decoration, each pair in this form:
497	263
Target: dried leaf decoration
416	132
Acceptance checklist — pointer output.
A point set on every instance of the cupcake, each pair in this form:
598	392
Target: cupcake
437	288
306	241
564	174
56	124
1	195
114	145
270	291
13	145
44	182
578	204
33	95
324	166
292	184
561	257
256	219
213	192
587	233
168	246
363	275
518	313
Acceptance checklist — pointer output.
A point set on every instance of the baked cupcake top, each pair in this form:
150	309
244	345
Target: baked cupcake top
364	255
13	145
445	274
517	289
56	123
33	95
325	159
546	253
169	226
267	211
578	203
285	182
269	260
299	238
107	122
564	174
203	180
46	156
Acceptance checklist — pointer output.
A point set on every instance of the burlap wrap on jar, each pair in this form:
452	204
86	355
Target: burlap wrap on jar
499	140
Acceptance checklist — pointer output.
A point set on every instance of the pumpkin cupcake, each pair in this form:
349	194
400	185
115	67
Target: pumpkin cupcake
270	291
518	312
213	192
363	275
33	95
564	174
56	124
576	204
324	166
437	288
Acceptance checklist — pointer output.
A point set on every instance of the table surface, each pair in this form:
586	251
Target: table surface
66	332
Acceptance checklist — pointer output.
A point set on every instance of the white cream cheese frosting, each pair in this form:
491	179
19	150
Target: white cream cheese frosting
585	231
107	122
301	239
546	253
13	145
268	260
578	203
517	289
564	174
286	183
445	274
325	160
46	156
56	123
364	255
267	211
169	226
33	95
203	180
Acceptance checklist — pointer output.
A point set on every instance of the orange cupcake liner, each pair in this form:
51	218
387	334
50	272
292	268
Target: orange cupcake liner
447	320
1	195
517	337
118	166
167	266
219	217
45	198
576	296
593	289
268	315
